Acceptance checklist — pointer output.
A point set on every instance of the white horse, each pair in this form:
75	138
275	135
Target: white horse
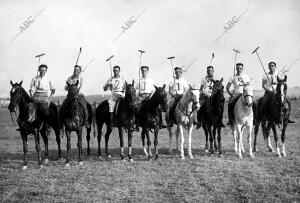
243	118
184	117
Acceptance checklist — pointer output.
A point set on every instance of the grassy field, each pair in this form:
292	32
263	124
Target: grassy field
265	178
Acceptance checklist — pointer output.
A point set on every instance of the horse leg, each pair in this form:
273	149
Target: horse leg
130	145
68	135
45	139
156	141
219	140
239	140
283	139
234	133
121	144
214	138
256	128
148	144
250	139
276	139
177	132
79	145
267	136
58	141
107	134
143	134
170	137
204	125
181	141
99	127
25	149
88	137
37	146
190	142
211	139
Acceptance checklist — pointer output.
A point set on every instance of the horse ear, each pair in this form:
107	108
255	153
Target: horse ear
132	82
155	87
67	83
221	80
11	83
20	83
285	78
164	86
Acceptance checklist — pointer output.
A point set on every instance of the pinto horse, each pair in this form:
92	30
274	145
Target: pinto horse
33	120
149	118
243	118
277	112
184	117
124	118
72	120
211	115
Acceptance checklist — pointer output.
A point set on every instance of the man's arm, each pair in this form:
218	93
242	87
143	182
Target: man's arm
107	85
263	85
51	87
32	87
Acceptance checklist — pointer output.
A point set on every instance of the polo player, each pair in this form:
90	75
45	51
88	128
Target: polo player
72	80
237	80
41	88
116	85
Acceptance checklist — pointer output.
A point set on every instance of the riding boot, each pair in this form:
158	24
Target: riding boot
111	117
161	125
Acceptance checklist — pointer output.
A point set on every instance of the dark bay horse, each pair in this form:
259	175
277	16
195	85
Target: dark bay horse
123	118
277	112
33	120
72	119
211	115
149	118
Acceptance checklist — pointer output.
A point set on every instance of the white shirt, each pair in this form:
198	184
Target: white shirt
41	84
146	86
72	80
237	81
117	85
179	87
271	80
207	85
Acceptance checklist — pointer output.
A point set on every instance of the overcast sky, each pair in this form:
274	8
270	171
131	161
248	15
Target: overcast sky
184	29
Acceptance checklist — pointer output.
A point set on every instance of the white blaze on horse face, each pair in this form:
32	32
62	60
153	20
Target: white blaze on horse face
13	90
248	92
195	95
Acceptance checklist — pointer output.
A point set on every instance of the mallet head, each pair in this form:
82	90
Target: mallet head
237	51
141	51
110	58
40	55
255	50
171	57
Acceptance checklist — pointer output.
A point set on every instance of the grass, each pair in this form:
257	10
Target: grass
265	178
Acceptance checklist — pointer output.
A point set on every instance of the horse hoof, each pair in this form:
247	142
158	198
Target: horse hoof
191	157
149	158
123	160
46	161
182	157
100	158
279	155
24	168
284	154
254	150
41	166
109	156
206	151
80	163
251	156
271	150
131	160
67	165
156	157
240	156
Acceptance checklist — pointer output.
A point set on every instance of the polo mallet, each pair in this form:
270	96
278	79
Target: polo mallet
236	52
39	56
141	51
256	51
212	58
186	69
290	66
78	56
171	58
109	59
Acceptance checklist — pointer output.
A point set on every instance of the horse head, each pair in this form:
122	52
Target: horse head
16	95
130	94
247	96
73	90
217	97
161	95
194	95
218	86
281	90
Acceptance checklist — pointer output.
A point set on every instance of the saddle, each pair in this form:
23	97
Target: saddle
172	108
